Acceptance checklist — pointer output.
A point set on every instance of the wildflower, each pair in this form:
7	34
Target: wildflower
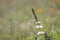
39	26
52	9
56	1
39	11
41	32
39	22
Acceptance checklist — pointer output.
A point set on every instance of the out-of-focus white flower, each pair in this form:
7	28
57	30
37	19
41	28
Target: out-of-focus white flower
39	22
39	26
41	32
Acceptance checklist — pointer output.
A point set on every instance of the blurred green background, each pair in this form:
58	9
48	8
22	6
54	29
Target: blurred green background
17	20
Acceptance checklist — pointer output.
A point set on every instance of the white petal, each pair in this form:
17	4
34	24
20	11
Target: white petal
41	32
39	22
39	26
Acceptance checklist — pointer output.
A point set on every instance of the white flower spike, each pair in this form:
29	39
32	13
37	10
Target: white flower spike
39	22
41	32
38	26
